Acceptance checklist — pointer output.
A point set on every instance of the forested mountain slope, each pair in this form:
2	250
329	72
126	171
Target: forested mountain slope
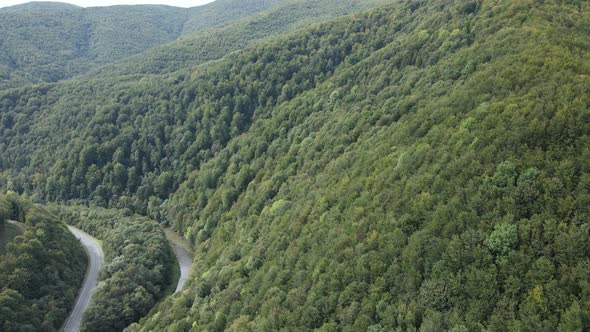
439	183
220	12
420	166
42	43
212	44
129	143
48	42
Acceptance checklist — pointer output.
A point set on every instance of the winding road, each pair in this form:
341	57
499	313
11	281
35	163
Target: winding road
95	261
183	254
180	246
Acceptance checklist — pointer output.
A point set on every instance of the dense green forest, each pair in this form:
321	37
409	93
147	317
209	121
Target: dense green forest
213	44
220	12
48	42
138	270
419	166
439	183
132	150
40	270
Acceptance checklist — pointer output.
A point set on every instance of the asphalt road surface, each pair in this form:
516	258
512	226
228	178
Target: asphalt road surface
183	254
95	261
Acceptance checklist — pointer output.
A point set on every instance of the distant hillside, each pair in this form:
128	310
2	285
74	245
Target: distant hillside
41	5
46	45
215	43
420	166
220	12
48	42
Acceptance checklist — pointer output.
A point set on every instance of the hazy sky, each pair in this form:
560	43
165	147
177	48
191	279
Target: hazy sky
93	3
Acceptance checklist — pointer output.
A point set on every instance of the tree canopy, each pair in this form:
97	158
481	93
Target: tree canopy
49	42
419	166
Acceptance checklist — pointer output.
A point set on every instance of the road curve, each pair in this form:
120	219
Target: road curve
95	261
183	254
